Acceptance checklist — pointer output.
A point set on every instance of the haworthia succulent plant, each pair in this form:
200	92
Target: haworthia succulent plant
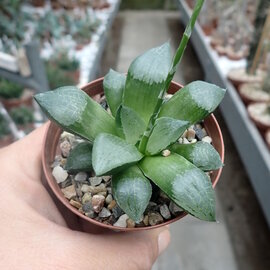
129	143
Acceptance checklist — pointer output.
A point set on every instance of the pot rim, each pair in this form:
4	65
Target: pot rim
65	201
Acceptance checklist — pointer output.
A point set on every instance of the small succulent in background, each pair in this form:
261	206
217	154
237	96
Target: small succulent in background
137	142
10	89
64	62
56	76
22	115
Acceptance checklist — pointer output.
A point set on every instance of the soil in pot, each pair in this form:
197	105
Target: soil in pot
260	114
240	76
252	92
92	195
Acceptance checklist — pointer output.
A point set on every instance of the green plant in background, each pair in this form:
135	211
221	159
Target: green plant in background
10	89
12	22
130	144
64	62
4	130
57	77
22	115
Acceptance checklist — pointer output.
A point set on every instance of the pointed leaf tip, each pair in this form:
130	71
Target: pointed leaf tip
202	154
112	154
132	191
114	84
76	112
184	183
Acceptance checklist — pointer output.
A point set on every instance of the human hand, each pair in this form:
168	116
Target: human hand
34	235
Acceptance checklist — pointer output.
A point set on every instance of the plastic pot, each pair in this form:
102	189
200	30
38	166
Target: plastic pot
51	147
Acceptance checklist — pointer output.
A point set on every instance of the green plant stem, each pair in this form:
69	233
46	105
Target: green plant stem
176	61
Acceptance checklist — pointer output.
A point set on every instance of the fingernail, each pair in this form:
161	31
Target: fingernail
163	240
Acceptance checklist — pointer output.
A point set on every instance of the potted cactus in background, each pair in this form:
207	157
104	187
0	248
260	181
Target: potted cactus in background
13	95
131	150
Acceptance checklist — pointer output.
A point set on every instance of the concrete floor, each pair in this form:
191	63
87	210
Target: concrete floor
240	239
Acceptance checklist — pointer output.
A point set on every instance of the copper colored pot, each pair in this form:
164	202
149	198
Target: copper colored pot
50	147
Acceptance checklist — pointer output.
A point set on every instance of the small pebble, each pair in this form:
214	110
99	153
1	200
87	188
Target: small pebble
117	211
193	141
130	223
65	148
185	141
98	202
95	181
146	220
66	183
175	209
154	218
69	192
164	211
80	177
59	174
109	190
85	188
57	161
200	132
103	193
87	207
87	197
122	221
207	139
104	213
94	190
106	178
112	205
190	134
152	206
75	204
91	214
166	153
180	140
109	199
67	136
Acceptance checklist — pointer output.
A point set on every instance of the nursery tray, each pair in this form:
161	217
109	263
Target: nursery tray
248	141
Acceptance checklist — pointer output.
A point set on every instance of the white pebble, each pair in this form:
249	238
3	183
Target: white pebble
207	139
59	174
122	221
81	177
185	141
193	141
166	153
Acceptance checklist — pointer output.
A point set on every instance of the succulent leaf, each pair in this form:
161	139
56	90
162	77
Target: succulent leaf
130	124
76	112
132	191
112	154
145	80
80	158
193	102
165	132
114	84
184	183
202	154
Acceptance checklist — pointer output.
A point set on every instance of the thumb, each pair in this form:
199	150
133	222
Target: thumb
132	250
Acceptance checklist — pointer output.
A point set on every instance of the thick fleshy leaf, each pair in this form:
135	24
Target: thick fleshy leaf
130	124
193	102
165	132
184	183
202	154
80	158
114	84
132	191
145	80
112	154
76	112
